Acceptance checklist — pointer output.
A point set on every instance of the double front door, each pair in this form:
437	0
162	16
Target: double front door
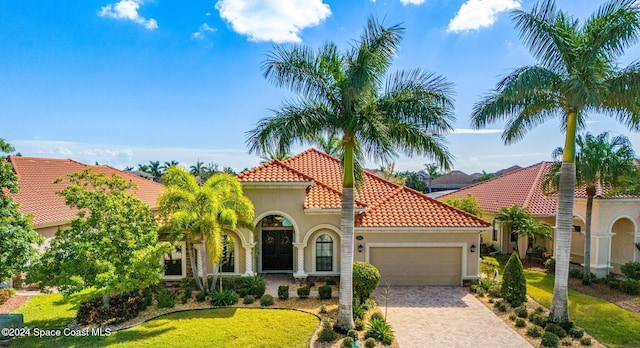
277	250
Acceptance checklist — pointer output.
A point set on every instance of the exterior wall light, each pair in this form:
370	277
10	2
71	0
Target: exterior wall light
360	248
473	248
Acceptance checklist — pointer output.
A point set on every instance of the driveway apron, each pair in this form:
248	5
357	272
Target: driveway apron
444	317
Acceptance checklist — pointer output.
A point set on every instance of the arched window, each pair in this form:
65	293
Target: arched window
324	253
227	260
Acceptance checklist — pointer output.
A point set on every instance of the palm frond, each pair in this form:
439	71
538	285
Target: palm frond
410	138
177	176
614	27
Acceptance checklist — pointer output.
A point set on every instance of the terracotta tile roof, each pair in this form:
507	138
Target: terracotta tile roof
38	196
522	187
387	204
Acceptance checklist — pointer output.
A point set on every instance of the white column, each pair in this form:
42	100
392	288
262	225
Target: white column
300	269
601	253
248	258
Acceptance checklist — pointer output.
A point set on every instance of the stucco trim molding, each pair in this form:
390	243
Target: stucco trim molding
633	221
447	230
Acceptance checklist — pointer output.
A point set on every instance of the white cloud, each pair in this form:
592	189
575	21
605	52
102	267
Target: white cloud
121	156
273	20
476	14
412	2
202	31
476	131
128	10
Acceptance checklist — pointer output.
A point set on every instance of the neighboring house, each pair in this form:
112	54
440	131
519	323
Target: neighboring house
614	227
453	180
411	238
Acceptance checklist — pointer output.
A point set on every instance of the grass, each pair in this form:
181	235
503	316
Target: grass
227	327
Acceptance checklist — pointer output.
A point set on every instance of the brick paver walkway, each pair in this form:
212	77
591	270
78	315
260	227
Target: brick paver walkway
445	317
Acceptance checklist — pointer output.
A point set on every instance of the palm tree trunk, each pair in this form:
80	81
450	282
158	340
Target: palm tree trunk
559	312
192	261
344	321
216	274
586	279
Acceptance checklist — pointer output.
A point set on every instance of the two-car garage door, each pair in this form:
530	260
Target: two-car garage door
418	265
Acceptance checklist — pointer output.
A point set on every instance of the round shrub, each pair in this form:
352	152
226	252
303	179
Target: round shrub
538	319
502	307
358	324
512	316
575	273
550	265
514	284
556	329
576	332
201	296
369	304
326	334
630	287
283	292
376	315
585	341
566	342
366	278
303	292
324	292
631	270
347	342
495	291
539	310
370	342
520	322
353	334
534	331
253	285
549	340
266	300
521	312
249	299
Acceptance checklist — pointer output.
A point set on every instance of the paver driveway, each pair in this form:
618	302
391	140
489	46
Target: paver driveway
445	317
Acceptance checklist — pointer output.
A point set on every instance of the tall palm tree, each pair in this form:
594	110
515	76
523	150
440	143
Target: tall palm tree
200	213
279	154
600	162
155	168
516	219
433	170
197	168
577	73
166	165
329	143
345	93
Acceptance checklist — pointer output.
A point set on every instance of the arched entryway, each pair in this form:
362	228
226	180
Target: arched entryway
622	242
276	244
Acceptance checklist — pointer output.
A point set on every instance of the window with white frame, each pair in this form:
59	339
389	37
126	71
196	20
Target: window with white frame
324	253
174	262
227	260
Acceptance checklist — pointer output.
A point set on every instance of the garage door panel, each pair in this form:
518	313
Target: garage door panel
418	265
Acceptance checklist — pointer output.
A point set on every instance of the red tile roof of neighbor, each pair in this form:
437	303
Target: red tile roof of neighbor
387	204
522	187
38	195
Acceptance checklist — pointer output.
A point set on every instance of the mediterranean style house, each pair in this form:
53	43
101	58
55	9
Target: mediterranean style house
411	238
614	227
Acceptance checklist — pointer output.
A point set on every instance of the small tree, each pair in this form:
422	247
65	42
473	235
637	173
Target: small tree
514	284
467	203
366	278
16	232
111	245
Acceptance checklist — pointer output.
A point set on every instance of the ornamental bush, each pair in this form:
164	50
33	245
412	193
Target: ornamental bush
550	265
631	270
630	287
514	284
283	292
266	300
380	330
303	292
324	292
223	298
366	278
326	334
549	340
556	329
166	298
121	308
249	299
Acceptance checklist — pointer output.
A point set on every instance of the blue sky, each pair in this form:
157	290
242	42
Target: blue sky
123	82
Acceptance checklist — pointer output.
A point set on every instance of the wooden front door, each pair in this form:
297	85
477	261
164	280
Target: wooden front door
277	250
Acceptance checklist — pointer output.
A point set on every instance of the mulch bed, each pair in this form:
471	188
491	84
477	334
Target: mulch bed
12	304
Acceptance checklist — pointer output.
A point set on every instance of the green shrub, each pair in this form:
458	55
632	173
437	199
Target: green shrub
325	292
556	329
514	284
550	265
253	285
370	342
538	319
520	322
353	334
486	284
480	291
488	266
576	332
502	307
326	334
549	340
376	315
495	291
147	296
566	342
615	284
370	304
585	341
366	278
512	316
539	310
201	296
347	342
332	281
521	312
283	292
358	310
358	324
121	308
323	309
166	298
380	330
534	331
538	251
631	270
223	298
303	292
266	300
576	273
491	300
249	299
630	287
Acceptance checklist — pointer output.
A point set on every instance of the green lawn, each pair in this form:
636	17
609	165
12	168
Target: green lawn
608	323
228	327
